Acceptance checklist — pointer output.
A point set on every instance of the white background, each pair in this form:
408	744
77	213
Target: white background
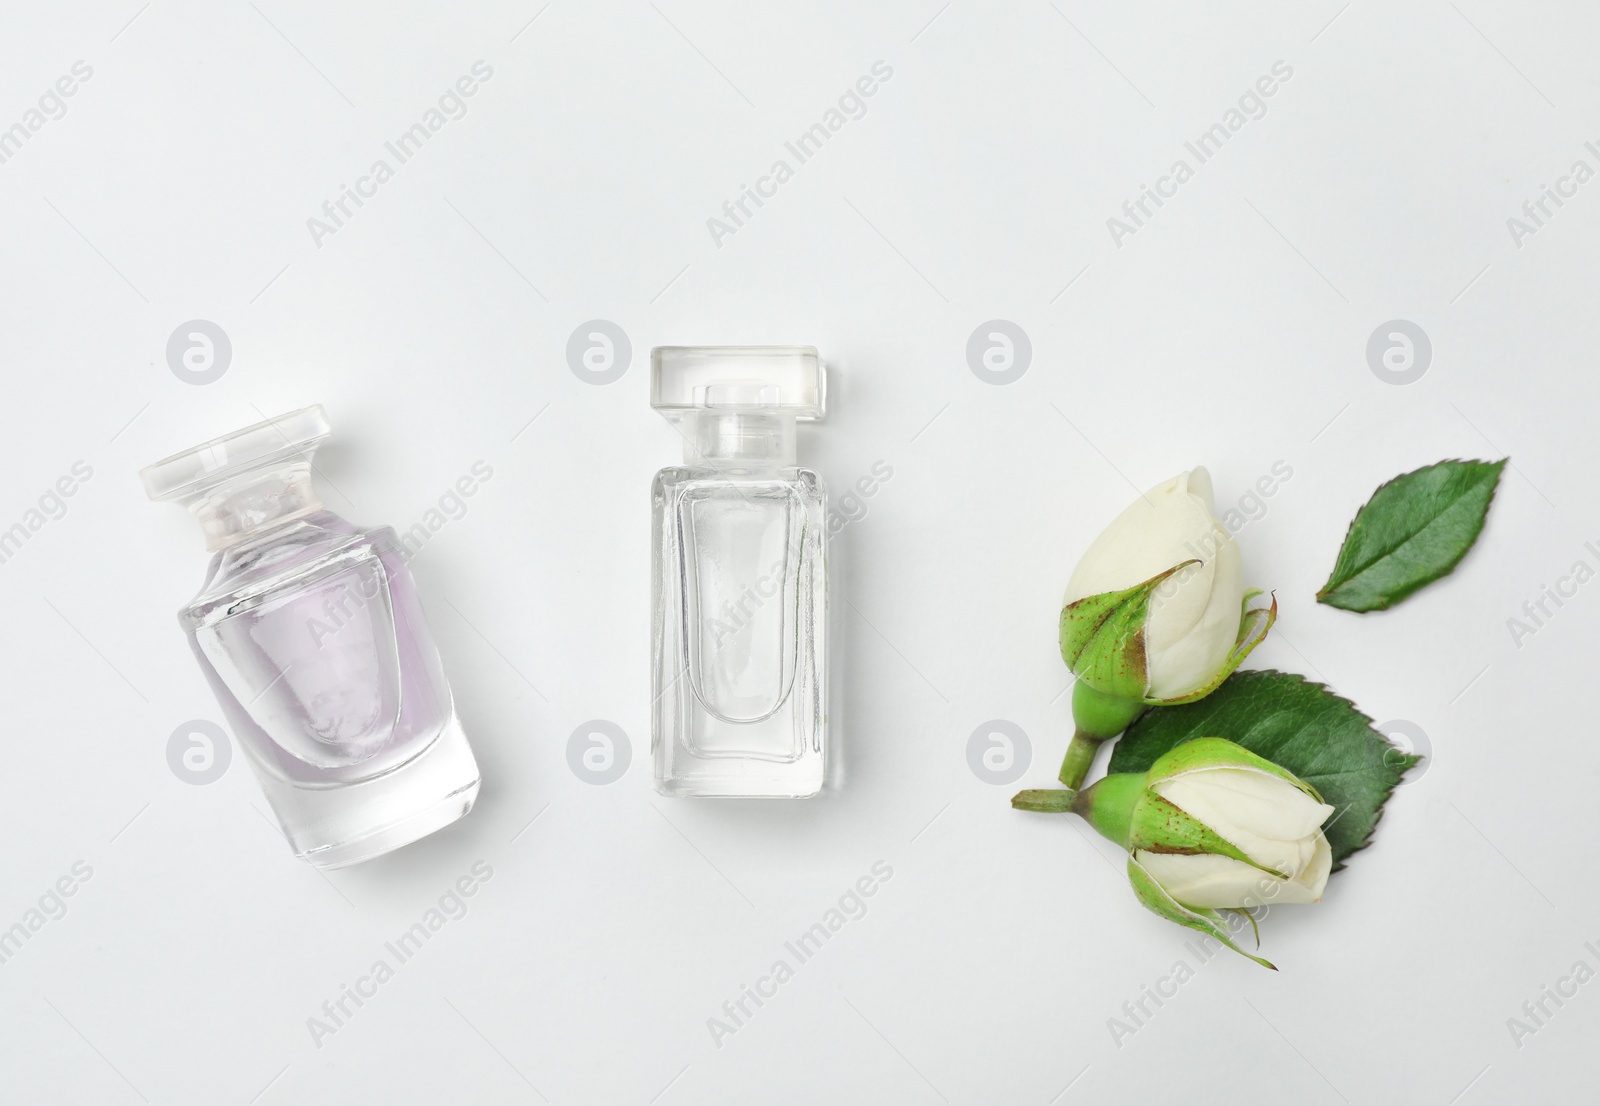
1230	330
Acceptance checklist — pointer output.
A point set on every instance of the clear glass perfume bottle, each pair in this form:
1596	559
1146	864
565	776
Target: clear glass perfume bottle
740	576
311	635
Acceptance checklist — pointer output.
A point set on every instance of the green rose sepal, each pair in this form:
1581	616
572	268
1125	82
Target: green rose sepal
1103	644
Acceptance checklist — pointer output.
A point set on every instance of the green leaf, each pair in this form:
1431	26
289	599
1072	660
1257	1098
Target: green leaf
1414	529
1299	725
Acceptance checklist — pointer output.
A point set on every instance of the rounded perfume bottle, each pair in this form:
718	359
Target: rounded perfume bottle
310	632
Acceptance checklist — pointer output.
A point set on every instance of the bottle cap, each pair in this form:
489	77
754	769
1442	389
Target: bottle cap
286	439
781	379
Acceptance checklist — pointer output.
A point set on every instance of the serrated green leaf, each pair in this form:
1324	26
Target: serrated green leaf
1414	529
1295	723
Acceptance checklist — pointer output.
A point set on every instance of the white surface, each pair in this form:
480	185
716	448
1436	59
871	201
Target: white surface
976	186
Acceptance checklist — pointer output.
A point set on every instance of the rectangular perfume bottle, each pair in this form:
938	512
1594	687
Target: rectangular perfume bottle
740	576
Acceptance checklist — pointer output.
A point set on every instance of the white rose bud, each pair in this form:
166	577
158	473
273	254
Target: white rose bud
1192	621
1154	613
1213	826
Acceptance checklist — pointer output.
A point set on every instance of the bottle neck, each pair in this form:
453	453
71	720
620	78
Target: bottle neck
739	439
252	502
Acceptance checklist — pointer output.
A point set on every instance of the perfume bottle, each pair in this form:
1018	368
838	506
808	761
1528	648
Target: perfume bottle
740	576
309	631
